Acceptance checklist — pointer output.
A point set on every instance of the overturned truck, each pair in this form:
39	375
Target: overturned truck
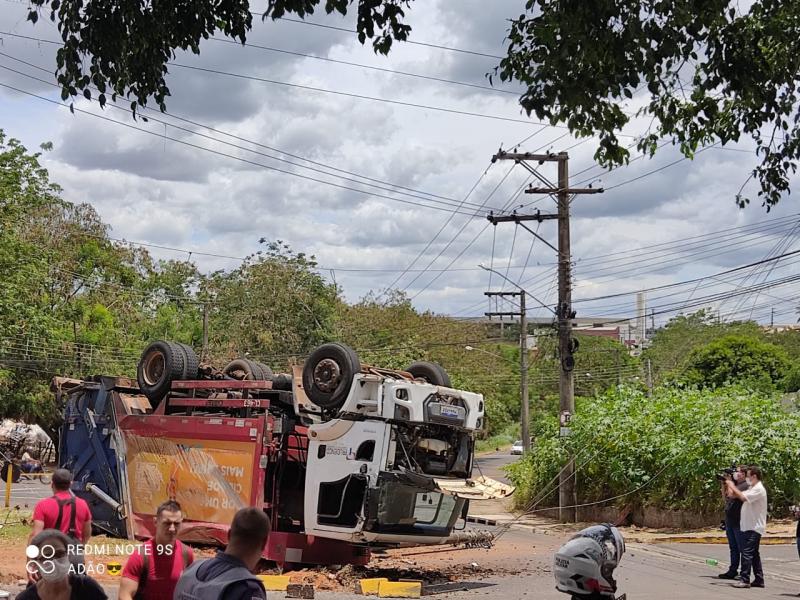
344	457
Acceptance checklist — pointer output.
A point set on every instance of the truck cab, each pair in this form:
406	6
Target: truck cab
394	466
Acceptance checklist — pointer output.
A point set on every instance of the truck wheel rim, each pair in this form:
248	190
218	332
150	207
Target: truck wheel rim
327	375
153	368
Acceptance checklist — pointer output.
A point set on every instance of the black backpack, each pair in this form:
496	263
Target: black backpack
75	558
72	533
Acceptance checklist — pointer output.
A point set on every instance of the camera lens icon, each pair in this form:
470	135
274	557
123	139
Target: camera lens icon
46	565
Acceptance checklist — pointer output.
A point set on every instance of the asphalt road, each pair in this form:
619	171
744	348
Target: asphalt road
491	465
26	493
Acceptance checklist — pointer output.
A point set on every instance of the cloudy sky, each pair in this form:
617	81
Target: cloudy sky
387	194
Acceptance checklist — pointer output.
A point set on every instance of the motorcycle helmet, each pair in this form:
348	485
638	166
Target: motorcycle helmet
584	566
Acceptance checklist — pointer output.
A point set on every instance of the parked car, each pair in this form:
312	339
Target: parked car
517	447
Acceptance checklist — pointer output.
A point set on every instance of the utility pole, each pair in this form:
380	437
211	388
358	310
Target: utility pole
523	374
523	360
567	496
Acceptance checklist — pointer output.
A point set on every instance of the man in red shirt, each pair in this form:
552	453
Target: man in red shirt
153	570
63	511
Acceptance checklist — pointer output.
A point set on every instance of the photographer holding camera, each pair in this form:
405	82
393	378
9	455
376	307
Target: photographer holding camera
753	525
733	513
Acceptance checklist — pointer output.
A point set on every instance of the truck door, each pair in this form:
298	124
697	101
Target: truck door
344	460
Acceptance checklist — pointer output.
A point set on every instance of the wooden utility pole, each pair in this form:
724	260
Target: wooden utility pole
523	374
523	360
567	496
567	491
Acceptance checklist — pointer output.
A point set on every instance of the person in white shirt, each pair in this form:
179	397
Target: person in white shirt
753	526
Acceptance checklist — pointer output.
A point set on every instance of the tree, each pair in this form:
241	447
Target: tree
672	345
600	363
738	359
274	306
715	72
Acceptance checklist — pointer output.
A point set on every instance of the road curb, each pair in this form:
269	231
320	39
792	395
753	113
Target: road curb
400	589
711	539
369	587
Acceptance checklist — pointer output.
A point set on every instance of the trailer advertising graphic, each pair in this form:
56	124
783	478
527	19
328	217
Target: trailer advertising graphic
210	479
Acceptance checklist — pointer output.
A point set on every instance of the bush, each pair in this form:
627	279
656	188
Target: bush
672	444
738	358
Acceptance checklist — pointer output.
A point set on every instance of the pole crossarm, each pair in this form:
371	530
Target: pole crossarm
539	190
503	293
518	156
515	218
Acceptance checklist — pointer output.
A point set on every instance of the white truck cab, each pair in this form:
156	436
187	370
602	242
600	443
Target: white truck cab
394	465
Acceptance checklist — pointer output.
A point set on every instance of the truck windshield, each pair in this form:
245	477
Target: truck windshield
406	509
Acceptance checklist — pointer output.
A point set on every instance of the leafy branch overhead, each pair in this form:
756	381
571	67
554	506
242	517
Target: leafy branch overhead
703	72
128	43
714	73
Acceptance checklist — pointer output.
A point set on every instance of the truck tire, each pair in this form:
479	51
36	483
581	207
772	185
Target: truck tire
266	372
253	370
191	364
328	374
161	364
431	372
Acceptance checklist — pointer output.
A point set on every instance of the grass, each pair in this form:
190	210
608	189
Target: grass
15	524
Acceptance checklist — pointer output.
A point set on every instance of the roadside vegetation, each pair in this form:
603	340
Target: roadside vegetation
664	450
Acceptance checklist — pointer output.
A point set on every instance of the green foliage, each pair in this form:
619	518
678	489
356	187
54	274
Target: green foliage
670	445
123	49
273	306
738	358
672	345
600	363
715	72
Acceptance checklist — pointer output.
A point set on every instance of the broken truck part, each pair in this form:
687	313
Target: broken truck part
342	456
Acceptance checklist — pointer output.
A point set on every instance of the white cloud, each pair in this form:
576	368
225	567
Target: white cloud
175	195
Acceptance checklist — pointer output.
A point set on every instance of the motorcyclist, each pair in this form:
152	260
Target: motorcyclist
584	566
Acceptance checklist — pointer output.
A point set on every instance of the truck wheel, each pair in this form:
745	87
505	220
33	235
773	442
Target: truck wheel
252	370
191	363
431	372
328	373
161	364
266	372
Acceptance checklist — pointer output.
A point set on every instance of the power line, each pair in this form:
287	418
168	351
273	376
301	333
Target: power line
413	42
329	91
231	156
364	96
416	194
487	88
468	246
690	281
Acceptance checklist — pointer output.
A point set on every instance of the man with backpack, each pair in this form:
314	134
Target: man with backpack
65	512
229	575
153	570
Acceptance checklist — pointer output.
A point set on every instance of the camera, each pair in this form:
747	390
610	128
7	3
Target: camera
726	473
